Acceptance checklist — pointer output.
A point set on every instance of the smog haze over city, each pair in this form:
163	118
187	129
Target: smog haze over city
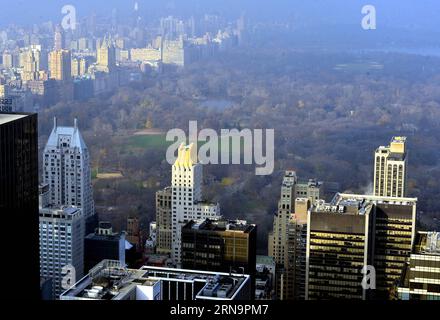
270	150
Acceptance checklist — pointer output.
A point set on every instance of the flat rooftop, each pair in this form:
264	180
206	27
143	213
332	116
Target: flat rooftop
109	280
220	225
9	117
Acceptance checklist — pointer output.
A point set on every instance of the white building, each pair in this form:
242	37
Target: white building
187	204
66	168
390	169
61	232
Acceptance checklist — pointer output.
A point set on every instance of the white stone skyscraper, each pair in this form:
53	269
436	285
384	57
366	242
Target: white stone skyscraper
187	203
66	169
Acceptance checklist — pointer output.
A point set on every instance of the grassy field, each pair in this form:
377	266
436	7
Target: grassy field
148	142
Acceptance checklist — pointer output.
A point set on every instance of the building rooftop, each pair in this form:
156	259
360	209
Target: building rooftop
220	225
9	117
76	137
109	280
427	242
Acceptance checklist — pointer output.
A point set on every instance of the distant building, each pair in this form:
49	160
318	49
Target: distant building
421	277
390	173
133	232
103	244
164	221
59	39
106	56
111	281
60	65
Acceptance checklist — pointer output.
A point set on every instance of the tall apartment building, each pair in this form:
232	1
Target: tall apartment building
219	245
61	231
30	61
187	203
59	39
421	277
291	189
19	191
164	225
390	169
60	65
293	286
66	168
106	56
8	59
354	231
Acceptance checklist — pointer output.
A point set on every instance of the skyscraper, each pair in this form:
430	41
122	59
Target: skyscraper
66	168
164	225
60	65
106	56
187	203
61	243
354	231
338	238
19	192
59	40
390	169
291	189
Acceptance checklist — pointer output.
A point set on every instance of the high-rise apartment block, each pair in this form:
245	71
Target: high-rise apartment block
421	277
390	169
66	168
60	65
278	239
187	203
106	56
59	38
61	230
164	226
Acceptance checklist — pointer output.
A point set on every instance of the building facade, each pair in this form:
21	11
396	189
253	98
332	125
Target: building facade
19	190
164	226
421	277
66	168
61	231
390	164
187	203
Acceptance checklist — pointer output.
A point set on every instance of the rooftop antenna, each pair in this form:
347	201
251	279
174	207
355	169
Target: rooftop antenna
55	123
75	123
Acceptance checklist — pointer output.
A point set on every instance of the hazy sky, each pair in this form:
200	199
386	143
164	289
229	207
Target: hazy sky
421	14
